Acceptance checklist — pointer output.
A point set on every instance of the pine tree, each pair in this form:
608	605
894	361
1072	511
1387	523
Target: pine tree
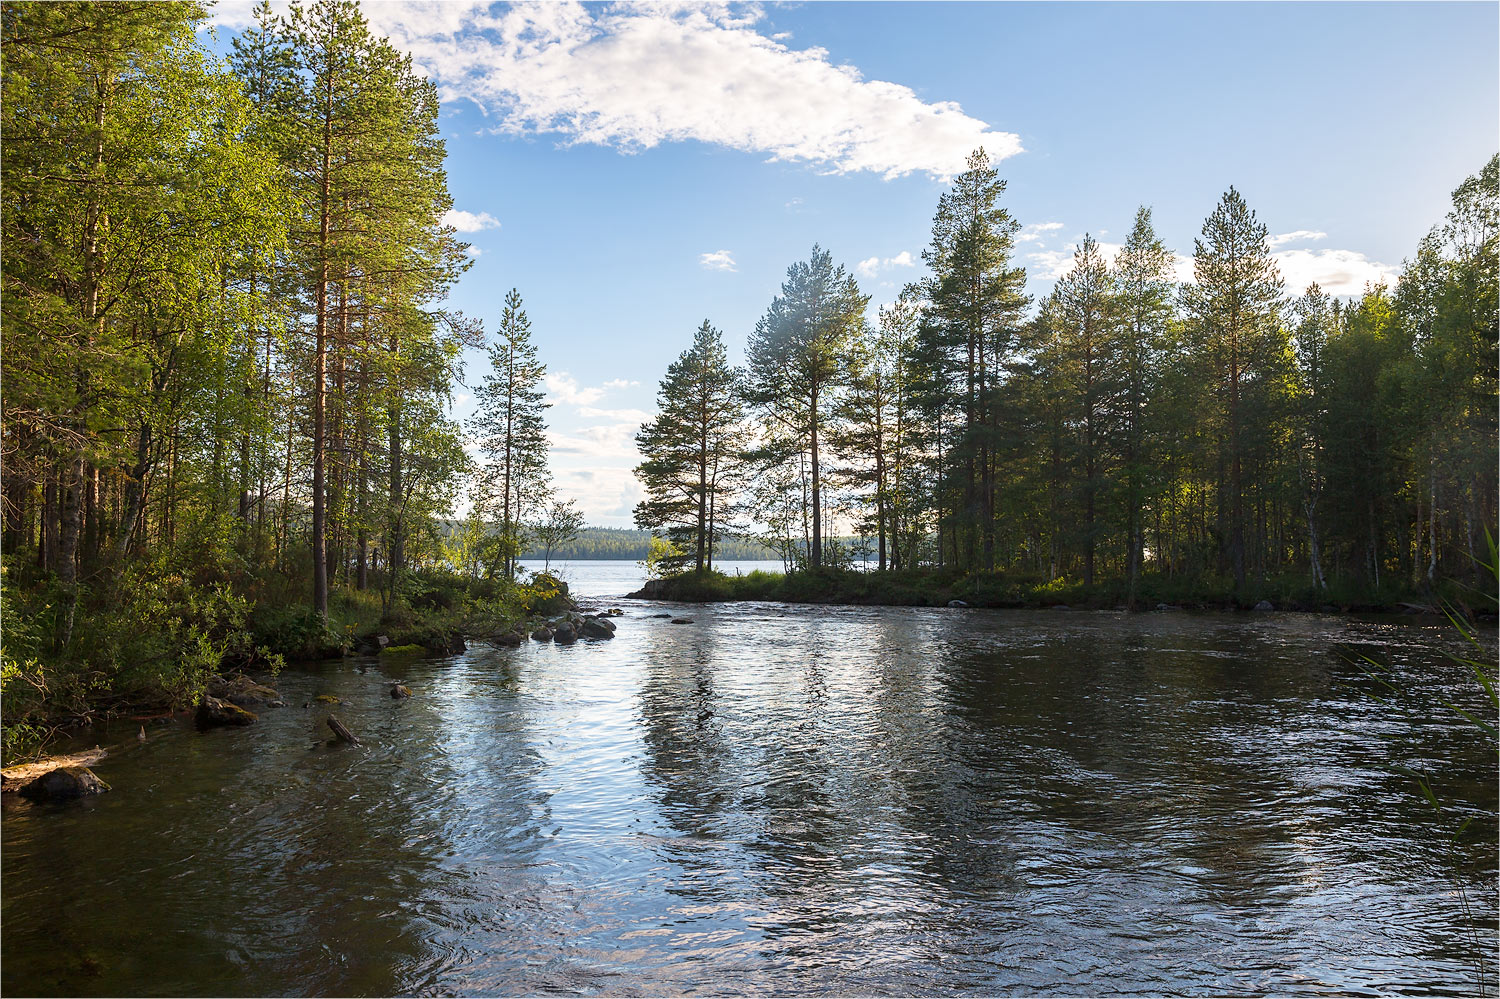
1143	289
1084	317
1235	307
692	449
975	305
511	432
797	358
1317	323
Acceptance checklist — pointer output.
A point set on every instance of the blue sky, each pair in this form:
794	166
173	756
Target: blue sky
634	170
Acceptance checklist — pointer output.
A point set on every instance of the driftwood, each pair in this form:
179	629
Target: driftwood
16	777
340	731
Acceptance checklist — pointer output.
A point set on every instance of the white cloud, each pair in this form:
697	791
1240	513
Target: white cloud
632	76
1050	265
1337	272
565	388
634	417
620	383
1300	236
1035	231
470	222
607	496
718	260
609	442
869	268
474	252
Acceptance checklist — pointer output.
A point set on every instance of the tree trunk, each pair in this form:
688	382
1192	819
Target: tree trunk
815	555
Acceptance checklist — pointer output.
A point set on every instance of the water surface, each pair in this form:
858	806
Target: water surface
802	800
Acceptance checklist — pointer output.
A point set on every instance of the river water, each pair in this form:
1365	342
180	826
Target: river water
811	800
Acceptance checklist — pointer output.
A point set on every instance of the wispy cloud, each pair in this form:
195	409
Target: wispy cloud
633	76
469	221
1035	231
1300	236
718	260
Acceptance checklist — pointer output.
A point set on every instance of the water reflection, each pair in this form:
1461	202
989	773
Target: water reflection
797	800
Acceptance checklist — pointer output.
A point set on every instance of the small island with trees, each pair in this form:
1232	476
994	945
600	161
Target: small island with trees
1134	441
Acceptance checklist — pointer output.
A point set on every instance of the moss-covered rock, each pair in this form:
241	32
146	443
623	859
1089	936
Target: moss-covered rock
216	713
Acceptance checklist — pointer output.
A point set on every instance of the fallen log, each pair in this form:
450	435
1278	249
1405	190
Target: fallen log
16	777
340	731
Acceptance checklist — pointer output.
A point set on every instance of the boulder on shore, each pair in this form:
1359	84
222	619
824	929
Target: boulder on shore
652	589
64	783
216	713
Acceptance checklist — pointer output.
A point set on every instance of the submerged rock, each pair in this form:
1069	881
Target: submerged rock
64	783
682	620
216	713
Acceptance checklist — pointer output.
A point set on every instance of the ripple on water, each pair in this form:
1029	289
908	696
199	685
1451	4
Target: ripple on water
818	800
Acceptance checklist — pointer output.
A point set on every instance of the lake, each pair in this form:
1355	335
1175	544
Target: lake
788	799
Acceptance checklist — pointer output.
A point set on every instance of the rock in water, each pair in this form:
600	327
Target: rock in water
509	639
242	691
542	634
957	603
595	628
340	731
682	620
64	783
399	691
1265	605
214	713
564	635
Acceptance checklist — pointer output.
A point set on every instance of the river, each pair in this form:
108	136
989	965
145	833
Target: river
784	799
